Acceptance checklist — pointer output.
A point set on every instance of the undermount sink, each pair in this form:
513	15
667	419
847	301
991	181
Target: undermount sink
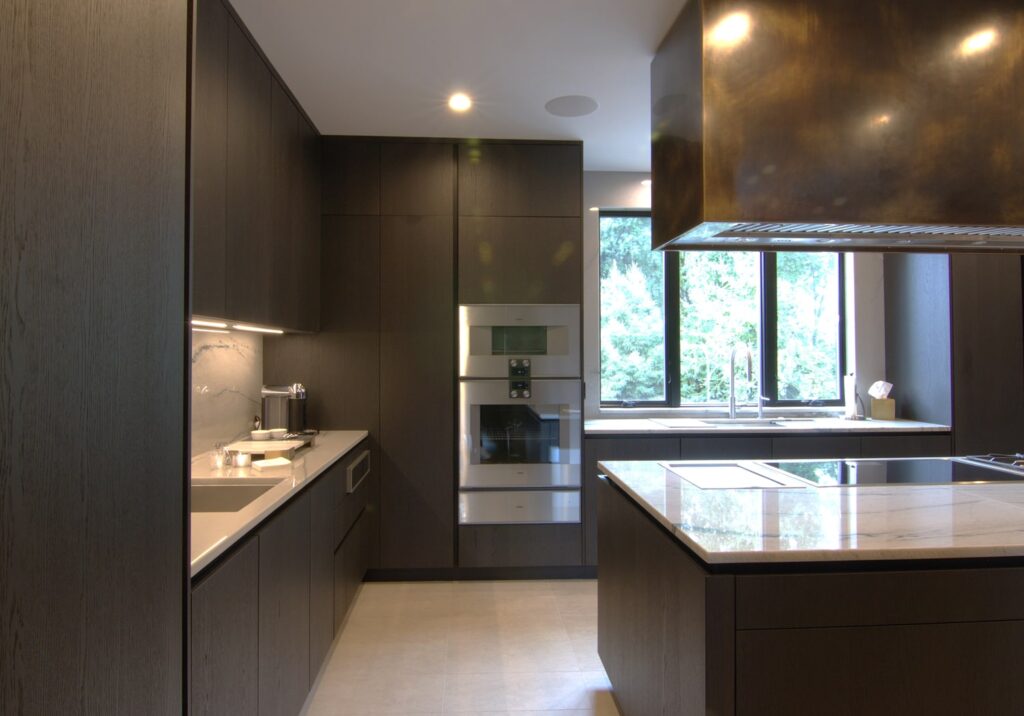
228	495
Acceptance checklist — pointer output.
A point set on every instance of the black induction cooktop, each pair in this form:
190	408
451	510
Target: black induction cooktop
897	471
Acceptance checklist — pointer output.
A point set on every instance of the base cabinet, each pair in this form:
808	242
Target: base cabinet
264	617
678	639
284	610
224	631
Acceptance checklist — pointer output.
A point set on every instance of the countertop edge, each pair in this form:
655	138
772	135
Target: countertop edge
764	560
608	427
339	444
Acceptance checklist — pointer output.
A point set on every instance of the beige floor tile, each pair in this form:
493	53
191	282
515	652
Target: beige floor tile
385	692
471	648
516	692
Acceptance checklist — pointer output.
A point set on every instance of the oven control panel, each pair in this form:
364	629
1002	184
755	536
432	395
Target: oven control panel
519	388
518	368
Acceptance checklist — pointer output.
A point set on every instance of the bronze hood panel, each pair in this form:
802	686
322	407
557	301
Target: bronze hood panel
840	125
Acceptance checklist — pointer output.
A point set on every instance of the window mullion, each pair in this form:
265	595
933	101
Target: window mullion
673	374
769	327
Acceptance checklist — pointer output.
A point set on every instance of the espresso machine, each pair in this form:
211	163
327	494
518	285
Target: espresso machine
284	406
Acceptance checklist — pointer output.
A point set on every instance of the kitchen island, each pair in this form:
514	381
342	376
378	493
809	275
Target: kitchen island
866	599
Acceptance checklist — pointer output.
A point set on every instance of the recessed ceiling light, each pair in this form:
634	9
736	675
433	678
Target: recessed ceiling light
595	208
460	102
571	105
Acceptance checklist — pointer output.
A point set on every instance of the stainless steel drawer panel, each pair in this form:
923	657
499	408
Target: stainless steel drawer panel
519	507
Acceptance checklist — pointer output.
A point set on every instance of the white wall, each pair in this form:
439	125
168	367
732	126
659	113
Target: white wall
606	190
865	298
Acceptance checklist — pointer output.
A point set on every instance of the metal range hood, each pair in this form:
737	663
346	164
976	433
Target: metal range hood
840	125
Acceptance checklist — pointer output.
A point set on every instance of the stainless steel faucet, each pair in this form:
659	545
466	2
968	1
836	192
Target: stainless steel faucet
732	376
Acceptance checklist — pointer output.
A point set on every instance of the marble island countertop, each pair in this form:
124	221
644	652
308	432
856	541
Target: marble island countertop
828	524
749	424
214	532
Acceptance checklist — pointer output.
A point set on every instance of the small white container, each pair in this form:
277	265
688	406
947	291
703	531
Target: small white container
278	433
260	434
243	459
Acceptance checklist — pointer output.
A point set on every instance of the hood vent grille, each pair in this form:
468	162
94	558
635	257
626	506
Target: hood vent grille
924	238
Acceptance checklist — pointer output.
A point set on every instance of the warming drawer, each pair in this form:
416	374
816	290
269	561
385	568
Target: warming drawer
516	507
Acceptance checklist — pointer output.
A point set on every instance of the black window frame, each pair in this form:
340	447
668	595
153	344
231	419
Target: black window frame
768	335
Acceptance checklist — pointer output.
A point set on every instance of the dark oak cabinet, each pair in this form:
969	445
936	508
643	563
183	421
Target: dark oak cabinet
256	184
284	610
209	157
225	629
520	260
417	329
324	497
520	179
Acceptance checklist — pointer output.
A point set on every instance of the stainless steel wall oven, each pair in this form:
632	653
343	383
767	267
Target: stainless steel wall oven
520	414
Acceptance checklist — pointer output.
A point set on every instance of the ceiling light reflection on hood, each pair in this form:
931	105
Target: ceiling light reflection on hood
730	31
981	41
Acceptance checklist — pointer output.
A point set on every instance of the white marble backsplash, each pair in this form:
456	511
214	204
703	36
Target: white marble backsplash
227	375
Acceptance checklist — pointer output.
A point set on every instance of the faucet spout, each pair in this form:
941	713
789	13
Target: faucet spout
750	375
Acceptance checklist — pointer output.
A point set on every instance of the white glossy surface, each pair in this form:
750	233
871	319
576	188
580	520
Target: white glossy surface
821	524
644	426
215	532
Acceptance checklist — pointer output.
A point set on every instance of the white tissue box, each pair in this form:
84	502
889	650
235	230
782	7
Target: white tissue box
883	409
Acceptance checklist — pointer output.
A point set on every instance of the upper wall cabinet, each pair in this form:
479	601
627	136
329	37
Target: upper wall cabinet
520	179
417	179
255	184
351	177
209	157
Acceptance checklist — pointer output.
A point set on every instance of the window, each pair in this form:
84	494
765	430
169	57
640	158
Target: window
670	321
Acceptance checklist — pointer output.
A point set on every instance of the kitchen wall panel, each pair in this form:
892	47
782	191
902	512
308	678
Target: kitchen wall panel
93	306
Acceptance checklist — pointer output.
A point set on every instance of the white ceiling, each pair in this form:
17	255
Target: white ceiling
386	67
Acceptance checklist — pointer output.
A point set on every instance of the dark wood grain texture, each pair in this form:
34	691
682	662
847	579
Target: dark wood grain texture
351	560
914	670
209	158
340	365
225	631
284	610
93	262
654	632
277	269
351	176
520	260
819	446
745	447
366	490
520	179
250	212
621	448
988	353
520	545
324	496
914	445
417	399
417	178
878	598
306	196
917	336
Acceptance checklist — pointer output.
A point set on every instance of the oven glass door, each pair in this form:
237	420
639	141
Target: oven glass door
547	335
510	442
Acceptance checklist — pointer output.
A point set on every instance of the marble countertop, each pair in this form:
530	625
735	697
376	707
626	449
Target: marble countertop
829	524
214	532
682	426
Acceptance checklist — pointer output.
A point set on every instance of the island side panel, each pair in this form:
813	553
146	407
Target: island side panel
657	632
902	670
